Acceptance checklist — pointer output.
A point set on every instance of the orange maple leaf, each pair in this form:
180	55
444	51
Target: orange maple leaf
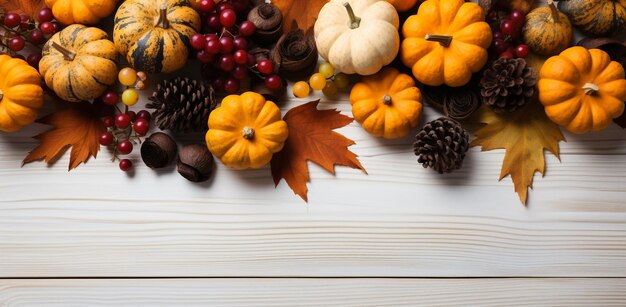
27	7
78	127
311	137
302	13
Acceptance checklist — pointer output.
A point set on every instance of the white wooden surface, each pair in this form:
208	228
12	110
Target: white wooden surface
458	239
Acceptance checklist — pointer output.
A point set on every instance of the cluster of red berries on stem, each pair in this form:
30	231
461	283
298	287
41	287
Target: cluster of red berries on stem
224	47
123	130
507	30
18	30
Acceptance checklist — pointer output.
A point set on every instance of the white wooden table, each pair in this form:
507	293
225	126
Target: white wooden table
402	235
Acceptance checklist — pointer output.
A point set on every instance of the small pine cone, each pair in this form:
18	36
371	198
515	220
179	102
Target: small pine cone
182	104
508	84
441	145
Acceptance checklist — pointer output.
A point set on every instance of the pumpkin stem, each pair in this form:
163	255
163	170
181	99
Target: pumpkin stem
162	22
590	88
248	133
387	100
69	55
1	95
554	11
444	40
354	20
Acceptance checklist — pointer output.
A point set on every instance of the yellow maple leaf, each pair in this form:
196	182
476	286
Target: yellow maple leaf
524	135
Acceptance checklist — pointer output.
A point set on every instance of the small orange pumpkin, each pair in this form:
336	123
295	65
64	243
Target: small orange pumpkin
582	90
403	5
387	104
21	94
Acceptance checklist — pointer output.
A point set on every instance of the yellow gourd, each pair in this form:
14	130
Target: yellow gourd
87	12
245	131
21	95
387	104
582	90
446	42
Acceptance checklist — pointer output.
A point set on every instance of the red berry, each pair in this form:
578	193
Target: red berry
108	121
125	147
240	72
274	82
240	6
226	44
122	121
265	67
36	37
16	43
141	126
251	60
132	115
204	57
241	57
247	28
33	59
225	6
240	43
213	22
213	46
498	35
212	36
228	18
508	27
206	6
106	138
110	98
499	46
126	165
231	85
46	27
517	17
507	55
521	51
218	84
227	63
56	26
12	20
197	41
143	114
45	14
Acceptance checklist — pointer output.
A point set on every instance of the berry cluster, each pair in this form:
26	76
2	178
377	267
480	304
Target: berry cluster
20	29
125	128
507	42
325	80
224	47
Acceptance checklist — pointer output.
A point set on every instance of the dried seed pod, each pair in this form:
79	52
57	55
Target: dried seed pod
195	163
295	54
268	21
158	150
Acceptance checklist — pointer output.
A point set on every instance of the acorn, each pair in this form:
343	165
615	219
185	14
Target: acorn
195	163
158	150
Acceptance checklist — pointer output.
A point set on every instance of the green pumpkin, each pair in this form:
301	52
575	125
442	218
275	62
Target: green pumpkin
154	35
599	17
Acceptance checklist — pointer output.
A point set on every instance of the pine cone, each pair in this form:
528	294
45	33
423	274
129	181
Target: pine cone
441	145
508	84
182	104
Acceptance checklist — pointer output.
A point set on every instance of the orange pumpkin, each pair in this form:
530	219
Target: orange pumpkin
403	5
21	94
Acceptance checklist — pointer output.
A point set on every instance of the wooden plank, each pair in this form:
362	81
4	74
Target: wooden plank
314	292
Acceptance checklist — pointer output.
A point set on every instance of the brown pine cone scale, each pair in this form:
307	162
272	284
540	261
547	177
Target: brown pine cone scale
441	145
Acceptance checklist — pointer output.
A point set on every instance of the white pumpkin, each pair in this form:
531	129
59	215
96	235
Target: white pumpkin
357	36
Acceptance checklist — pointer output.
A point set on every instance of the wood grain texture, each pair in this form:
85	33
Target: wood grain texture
314	292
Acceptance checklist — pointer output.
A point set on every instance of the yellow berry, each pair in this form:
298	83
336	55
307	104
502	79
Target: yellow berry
301	89
327	70
317	81
130	97
330	89
342	81
127	76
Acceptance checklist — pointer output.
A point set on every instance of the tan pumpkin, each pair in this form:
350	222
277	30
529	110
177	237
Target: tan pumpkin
446	42
154	35
387	104
598	17
547	31
582	90
86	12
79	63
245	131
21	95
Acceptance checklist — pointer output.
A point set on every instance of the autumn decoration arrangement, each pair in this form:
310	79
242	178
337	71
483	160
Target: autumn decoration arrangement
503	74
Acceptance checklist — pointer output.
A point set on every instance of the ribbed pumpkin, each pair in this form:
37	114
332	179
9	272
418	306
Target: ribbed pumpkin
86	12
387	104
547	31
582	89
21	95
599	17
79	63
445	42
245	131
154	35
403	5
